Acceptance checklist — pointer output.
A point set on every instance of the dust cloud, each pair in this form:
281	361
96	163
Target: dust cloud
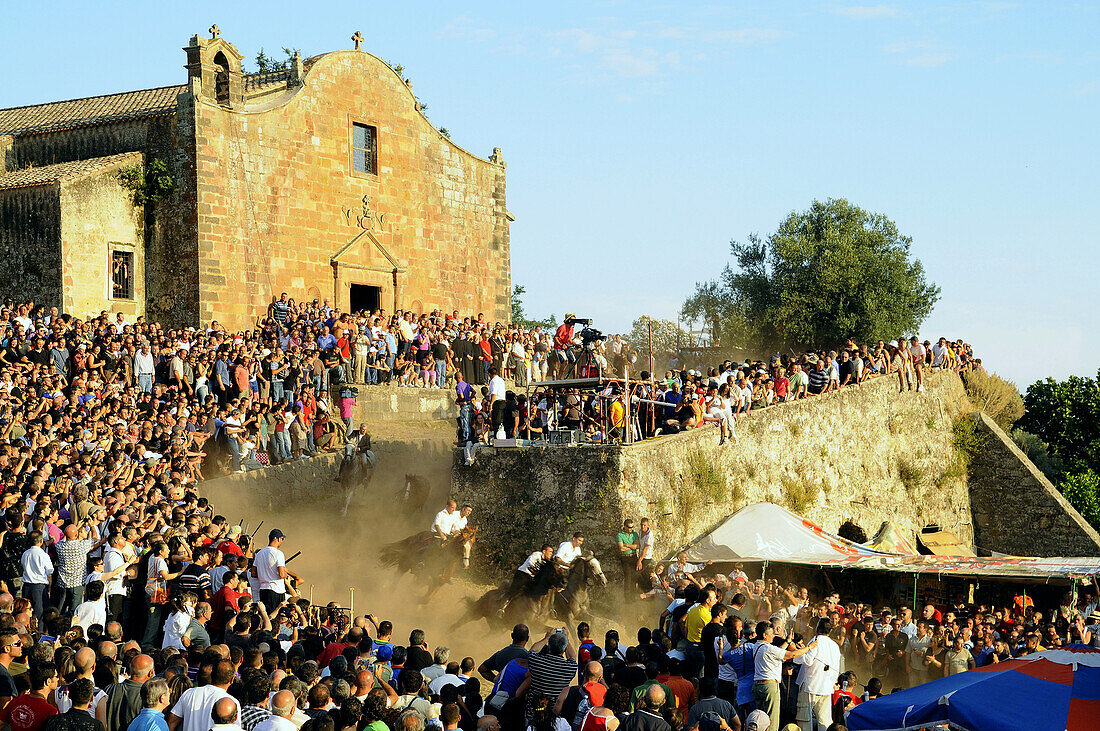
339	552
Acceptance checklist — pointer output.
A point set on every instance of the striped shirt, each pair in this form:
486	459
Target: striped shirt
550	675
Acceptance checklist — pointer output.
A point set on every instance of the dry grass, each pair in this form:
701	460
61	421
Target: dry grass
997	397
799	495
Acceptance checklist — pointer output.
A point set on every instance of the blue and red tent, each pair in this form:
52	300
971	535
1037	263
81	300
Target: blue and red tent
1054	690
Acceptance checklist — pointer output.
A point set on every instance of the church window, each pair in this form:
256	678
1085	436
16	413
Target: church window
122	275
364	148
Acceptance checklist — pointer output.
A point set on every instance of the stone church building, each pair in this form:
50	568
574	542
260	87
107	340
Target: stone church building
321	180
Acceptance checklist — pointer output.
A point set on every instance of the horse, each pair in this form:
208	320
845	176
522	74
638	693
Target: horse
495	607
572	602
415	493
356	468
423	549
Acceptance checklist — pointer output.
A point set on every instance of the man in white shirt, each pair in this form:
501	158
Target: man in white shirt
444	524
569	551
497	393
37	570
282	708
918	644
192	711
818	675
768	665
92	610
269	567
939	353
114	558
463	518
916	354
144	369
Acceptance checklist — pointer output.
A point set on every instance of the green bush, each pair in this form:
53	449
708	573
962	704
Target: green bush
1038	452
910	475
965	439
1082	490
998	398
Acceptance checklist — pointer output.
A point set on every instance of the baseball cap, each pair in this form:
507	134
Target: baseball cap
758	721
385	652
234	531
275	533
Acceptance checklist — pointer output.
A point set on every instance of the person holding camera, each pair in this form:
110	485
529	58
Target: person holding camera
563	339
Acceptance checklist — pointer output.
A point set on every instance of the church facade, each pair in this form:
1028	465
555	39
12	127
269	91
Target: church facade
322	180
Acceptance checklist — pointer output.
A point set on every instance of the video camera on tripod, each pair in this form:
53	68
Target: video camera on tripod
589	335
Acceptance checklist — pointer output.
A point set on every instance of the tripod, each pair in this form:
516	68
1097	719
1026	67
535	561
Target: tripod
583	365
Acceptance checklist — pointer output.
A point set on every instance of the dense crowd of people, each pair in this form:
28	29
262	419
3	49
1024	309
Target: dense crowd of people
128	603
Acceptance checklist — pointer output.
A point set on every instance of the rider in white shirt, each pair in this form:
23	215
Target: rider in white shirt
569	551
445	521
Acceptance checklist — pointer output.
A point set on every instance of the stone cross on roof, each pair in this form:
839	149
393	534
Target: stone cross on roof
358	38
214	32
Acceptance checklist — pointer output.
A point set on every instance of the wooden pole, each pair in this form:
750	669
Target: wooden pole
311	595
351	606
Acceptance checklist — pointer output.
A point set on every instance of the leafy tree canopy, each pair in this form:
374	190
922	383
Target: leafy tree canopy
519	317
1066	415
832	272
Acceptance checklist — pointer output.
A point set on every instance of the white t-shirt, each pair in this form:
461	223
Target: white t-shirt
174	627
445	521
114	559
939	352
64	703
567	552
496	388
89	613
195	705
267	562
645	544
820	667
768	662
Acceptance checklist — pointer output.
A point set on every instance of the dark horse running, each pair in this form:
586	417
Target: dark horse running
438	558
494	606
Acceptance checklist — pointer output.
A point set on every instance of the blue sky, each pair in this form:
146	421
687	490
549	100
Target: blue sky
642	137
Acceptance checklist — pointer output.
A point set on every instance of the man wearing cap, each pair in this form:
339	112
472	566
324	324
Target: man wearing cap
228	545
269	567
563	337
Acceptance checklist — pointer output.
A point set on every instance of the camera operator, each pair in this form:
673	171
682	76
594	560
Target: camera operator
563	339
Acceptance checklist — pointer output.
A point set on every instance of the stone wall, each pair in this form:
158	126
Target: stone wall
30	250
863	455
1004	485
406	405
81	143
98	217
277	201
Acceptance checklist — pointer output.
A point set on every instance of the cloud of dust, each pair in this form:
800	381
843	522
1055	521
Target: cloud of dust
339	552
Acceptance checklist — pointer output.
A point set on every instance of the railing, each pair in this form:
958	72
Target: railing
266	78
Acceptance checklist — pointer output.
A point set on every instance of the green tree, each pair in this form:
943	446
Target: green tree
1082	490
667	337
1066	415
148	184
1061	422
266	64
832	272
519	317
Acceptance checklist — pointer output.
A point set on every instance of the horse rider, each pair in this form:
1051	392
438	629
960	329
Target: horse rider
525	573
445	521
568	551
450	521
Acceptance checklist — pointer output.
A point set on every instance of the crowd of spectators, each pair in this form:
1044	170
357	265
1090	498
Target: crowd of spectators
127	603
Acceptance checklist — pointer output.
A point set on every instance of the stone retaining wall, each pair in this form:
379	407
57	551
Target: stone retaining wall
863	455
1016	508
